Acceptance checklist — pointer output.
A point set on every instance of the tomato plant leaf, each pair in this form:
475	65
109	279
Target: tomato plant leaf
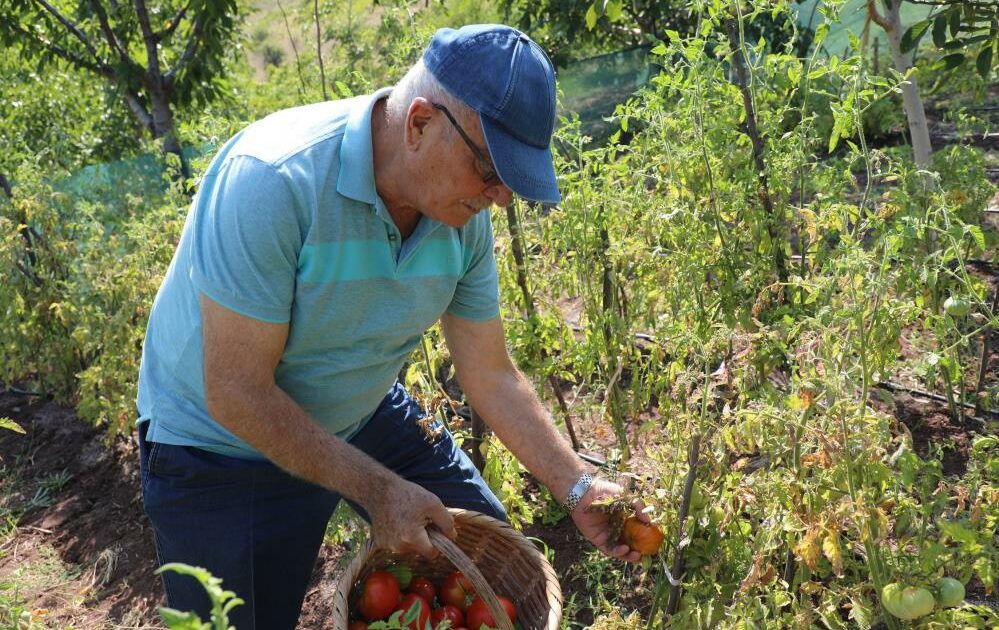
7	423
984	62
953	60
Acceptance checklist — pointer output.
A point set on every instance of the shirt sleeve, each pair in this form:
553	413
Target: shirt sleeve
476	296
246	240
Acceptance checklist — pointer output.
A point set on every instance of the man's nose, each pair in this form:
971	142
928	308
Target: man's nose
499	195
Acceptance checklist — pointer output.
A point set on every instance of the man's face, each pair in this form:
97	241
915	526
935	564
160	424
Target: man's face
457	178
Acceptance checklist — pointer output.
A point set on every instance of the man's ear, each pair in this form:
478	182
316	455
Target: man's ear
418	118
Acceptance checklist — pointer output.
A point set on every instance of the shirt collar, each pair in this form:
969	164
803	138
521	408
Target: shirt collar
357	169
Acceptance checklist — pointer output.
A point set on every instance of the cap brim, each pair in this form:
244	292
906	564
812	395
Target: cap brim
527	170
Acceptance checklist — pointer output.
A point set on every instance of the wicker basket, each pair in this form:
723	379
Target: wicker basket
491	554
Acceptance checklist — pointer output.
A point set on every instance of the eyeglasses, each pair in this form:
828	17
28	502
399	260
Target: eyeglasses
486	169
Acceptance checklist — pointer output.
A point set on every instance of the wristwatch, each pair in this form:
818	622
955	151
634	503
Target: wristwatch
577	491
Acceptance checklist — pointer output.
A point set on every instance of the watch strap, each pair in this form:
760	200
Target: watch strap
577	491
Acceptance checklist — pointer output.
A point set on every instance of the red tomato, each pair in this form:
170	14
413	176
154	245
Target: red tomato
379	595
478	615
646	539
449	612
424	588
457	591
416	609
357	625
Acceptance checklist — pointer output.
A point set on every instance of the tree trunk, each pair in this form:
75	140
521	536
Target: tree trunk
163	127
911	100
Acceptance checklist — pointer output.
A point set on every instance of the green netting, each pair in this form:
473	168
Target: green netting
108	183
593	87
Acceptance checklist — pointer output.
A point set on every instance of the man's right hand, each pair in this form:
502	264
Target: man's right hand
400	516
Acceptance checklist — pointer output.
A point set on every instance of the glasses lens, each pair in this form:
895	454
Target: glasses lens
486	170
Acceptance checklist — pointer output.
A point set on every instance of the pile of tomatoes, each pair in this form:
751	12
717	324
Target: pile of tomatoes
422	604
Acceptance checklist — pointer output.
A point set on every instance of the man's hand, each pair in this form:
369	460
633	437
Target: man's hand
400	516
595	524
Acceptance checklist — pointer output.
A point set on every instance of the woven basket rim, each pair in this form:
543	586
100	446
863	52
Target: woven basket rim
467	518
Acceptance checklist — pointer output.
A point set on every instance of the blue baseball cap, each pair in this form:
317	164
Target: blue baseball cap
508	79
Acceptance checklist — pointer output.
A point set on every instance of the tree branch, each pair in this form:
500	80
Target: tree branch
149	37
172	24
872	12
98	67
71	27
950	3
192	47
109	36
145	118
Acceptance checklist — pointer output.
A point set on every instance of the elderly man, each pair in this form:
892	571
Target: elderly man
324	240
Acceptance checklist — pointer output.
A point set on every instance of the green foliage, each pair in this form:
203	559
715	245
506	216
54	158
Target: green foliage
191	40
804	512
222	601
77	283
90	126
963	32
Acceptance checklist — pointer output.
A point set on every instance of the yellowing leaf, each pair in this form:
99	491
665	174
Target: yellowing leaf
807	550
833	552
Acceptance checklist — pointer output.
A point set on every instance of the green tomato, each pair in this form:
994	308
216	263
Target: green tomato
909	602
957	306
950	592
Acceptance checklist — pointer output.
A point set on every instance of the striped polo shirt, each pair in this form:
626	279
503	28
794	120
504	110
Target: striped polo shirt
287	227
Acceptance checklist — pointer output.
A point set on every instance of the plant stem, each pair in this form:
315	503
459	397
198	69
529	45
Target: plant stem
986	347
688	488
774	224
319	48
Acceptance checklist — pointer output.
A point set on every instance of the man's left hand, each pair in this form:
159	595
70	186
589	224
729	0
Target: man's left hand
595	524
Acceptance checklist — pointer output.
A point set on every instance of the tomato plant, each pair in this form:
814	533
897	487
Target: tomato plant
357	625
449	612
379	595
457	590
478	615
642	537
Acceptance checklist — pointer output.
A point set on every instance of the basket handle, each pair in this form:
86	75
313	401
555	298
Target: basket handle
464	564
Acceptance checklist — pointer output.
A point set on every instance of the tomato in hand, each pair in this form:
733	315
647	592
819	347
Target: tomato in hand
449	612
424	588
643	538
457	591
379	595
478	615
415	612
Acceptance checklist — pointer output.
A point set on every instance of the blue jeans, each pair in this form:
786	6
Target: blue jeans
259	529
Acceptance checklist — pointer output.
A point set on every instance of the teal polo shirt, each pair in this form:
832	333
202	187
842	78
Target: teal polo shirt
287	227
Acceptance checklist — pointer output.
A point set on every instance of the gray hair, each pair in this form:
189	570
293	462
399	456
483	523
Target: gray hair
419	82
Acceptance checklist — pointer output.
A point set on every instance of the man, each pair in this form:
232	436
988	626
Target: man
324	240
